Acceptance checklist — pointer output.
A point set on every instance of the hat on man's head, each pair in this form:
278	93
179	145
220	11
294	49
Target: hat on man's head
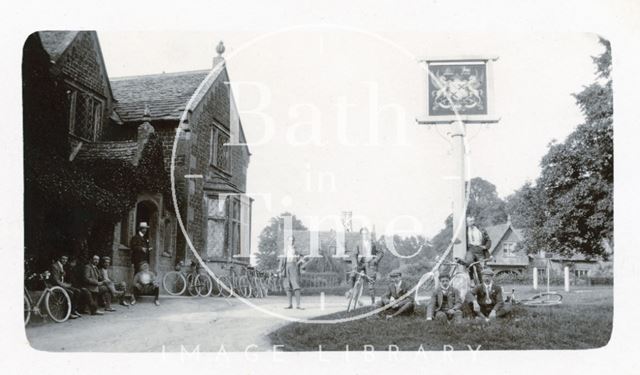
106	258
444	275
143	225
487	271
395	273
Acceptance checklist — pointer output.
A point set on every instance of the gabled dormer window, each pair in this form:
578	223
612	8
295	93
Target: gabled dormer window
85	115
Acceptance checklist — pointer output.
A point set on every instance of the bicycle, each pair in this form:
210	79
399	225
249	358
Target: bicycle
56	301
355	292
235	284
194	282
258	289
458	275
547	298
274	283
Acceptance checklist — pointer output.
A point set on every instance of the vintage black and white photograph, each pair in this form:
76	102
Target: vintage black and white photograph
257	186
319	189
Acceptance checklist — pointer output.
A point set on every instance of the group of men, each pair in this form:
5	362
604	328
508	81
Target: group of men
91	286
483	301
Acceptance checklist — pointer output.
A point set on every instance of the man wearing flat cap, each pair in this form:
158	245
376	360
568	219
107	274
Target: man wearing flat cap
402	303
446	302
489	297
140	248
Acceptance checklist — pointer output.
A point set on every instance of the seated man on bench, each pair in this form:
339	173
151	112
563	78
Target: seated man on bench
446	302
145	284
403	303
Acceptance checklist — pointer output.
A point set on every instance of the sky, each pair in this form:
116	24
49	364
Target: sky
329	114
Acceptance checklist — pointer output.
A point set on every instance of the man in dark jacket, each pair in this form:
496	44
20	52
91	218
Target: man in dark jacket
402	303
446	302
140	247
98	289
78	296
490	303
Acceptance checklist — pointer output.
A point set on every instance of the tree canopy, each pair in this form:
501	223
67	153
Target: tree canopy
569	209
268	240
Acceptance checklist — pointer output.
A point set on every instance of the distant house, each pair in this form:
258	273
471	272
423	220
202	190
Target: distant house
509	258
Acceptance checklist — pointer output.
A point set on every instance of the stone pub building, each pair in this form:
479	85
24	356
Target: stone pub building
98	156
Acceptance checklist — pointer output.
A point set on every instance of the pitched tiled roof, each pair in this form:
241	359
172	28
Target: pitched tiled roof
496	232
122	150
165	94
56	42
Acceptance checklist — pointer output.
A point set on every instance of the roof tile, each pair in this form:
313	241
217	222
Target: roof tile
165	94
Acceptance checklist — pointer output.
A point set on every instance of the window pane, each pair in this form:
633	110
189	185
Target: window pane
222	151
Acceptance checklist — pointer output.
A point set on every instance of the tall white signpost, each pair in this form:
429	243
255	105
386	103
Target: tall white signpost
459	92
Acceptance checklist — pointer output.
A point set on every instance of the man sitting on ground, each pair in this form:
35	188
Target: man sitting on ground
145	284
116	289
490	304
98	289
402	303
446	302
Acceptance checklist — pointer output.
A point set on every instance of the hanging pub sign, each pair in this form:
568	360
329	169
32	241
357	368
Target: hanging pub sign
460	89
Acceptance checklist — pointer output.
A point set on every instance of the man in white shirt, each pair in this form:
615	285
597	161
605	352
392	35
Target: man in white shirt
478	245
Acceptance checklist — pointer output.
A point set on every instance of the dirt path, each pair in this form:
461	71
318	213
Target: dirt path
179	323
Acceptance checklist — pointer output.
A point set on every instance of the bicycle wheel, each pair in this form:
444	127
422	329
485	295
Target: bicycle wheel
204	285
216	289
174	283
191	287
543	299
27	310
58	304
355	294
225	287
424	288
244	287
265	289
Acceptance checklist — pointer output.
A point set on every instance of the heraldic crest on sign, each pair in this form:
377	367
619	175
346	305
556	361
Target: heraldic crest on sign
458	89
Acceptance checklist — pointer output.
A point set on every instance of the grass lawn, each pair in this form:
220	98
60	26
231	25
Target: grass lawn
583	321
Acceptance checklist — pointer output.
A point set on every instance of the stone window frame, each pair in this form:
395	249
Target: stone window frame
216	134
221	217
97	109
234	233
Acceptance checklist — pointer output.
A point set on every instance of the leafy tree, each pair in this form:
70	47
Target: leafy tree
570	208
268	240
485	204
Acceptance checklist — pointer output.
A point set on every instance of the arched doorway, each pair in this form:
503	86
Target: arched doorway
147	212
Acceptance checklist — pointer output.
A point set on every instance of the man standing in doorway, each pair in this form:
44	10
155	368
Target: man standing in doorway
140	248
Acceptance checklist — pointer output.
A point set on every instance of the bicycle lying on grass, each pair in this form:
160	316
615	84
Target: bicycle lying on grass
547	298
56	301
